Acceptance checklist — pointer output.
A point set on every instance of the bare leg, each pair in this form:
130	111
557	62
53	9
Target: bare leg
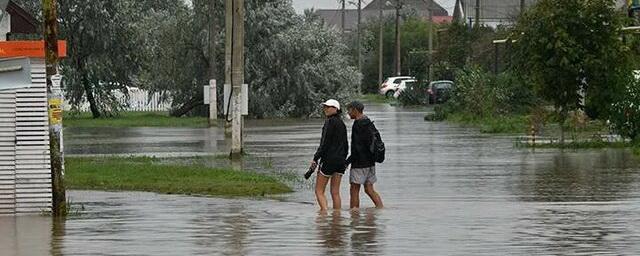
335	191
355	196
375	197
321	185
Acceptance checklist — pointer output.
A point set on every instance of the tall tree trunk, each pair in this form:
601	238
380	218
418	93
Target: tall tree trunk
93	105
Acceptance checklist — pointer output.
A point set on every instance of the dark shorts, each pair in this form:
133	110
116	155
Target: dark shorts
329	169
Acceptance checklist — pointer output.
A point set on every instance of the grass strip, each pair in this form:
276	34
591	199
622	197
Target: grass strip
133	119
152	175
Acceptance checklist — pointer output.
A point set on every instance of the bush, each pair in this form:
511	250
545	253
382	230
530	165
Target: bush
413	96
483	94
625	117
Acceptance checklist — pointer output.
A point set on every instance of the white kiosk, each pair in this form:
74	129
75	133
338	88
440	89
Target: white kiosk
25	165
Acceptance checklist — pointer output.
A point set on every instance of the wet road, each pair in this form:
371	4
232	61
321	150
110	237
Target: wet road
449	191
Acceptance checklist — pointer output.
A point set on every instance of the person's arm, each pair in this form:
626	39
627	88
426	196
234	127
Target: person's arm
322	149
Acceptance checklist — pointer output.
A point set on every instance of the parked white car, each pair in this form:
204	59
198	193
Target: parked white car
637	73
390	86
403	85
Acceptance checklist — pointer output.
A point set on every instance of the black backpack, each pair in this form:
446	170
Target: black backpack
377	146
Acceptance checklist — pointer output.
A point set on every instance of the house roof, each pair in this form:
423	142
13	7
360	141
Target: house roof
497	10
22	22
333	17
421	5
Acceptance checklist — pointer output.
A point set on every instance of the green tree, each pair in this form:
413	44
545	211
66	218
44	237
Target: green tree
414	35
570	45
291	62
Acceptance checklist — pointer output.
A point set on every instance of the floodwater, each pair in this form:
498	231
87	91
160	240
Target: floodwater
449	190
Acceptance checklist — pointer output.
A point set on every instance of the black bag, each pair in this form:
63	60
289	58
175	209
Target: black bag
377	146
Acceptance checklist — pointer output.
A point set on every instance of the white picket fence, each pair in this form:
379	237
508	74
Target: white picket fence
139	100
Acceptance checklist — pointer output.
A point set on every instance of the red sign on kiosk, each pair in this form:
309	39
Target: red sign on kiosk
32	49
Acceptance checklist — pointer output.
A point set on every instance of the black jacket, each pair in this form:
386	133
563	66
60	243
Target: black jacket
361	139
333	144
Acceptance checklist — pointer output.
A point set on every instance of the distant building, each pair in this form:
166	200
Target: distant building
16	20
333	17
495	12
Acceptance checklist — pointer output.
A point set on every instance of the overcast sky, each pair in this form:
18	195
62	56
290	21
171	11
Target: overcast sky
301	5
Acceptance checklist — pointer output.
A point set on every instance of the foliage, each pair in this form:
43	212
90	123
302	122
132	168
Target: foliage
495	103
566	46
414	95
625	116
414	36
474	93
293	64
163	46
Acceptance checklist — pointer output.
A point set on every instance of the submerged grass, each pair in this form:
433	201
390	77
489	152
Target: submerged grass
151	175
512	124
133	119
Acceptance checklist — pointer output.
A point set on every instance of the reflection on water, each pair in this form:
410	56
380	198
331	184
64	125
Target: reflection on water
26	236
586	176
331	232
449	191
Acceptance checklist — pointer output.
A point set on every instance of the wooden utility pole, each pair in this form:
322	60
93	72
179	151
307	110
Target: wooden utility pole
228	41
359	42
477	25
380	47
213	69
344	7
430	42
54	96
398	58
237	78
523	5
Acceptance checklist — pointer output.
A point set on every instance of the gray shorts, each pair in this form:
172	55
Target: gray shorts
363	175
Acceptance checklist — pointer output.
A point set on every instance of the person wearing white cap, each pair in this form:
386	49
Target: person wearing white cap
331	154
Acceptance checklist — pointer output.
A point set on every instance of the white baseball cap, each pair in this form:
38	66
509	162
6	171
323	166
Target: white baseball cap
332	103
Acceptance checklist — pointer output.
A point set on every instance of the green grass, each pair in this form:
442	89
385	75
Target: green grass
496	124
583	145
152	175
376	98
133	119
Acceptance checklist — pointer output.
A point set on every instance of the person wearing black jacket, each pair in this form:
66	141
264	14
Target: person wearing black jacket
363	165
331	155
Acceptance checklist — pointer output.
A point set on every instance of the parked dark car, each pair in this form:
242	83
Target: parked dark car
440	91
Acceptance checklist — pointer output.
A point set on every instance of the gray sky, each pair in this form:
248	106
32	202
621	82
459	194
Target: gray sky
301	5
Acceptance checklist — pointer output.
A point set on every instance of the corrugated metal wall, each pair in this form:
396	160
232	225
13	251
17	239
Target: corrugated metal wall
7	152
25	167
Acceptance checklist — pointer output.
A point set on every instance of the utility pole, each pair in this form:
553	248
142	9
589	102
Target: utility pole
398	66
237	78
523	5
54	96
477	25
430	42
380	46
228	41
359	42
344	7
213	32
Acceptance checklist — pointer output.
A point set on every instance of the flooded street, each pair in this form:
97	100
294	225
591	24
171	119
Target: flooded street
449	190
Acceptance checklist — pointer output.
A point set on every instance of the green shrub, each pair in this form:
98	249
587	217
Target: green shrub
625	117
415	95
